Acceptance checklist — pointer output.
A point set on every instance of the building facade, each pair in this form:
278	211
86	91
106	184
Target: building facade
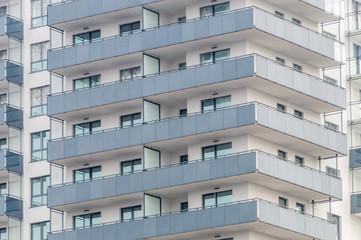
169	119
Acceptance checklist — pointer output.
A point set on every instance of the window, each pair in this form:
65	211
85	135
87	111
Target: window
282	154
38	13
3	144
299	160
3	54
183	159
331	171
298	114
216	103
330	80
85	174
215	199
130	28
337	220
212	57
328	34
297	67
40	231
182	19
183	112
131	166
3	235
279	14
83	129
3	189
39	188
87	82
87	37
39	145
280	60
300	208
282	202
217	150
130	73
87	220
3	99
214	9
281	107
182	66
3	10
130	120
331	126
39	55
131	213
39	101
296	21
184	207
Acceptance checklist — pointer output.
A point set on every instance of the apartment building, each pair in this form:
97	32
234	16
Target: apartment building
169	119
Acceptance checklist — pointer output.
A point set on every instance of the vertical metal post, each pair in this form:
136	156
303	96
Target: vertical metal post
337	165
319	164
329	201
313	207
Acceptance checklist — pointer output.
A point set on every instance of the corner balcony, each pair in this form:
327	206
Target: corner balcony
252	71
355	157
10	26
254	214
250	118
11	71
66	15
10	207
10	116
356	204
11	161
250	23
252	166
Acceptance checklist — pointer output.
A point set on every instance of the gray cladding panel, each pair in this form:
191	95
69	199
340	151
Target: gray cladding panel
296	174
165	225
2	114
145	40
355	203
302	129
355	158
153	179
2	25
2	70
297	222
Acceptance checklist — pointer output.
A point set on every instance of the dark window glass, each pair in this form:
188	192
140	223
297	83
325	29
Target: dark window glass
3	189
183	112
214	9
298	114
131	213
299	160
87	220
296	21
86	82
212	57
131	166
39	231
182	19
331	171
182	66
281	107
297	67
331	126
130	28
39	188
217	150
130	120
280	60
282	202
3	144
218	198
279	14
83	38
183	159
39	145
83	129
216	103
282	154
184	206
300	207
85	174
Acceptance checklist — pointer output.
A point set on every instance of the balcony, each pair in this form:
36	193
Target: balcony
356	204
252	24
10	207
254	214
11	71
250	118
10	116
66	14
10	26
11	161
252	71
253	166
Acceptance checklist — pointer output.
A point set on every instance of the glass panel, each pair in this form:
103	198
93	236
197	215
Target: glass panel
95	127
206	58
209	200
125	29
3	144
208	105
136	72
223	102
221	55
3	189
137	165
221	8
224	197
137	212
206	11
126	167
81	175
96	219
126	214
3	234
95	35
209	152
137	119
224	149
36	231
46	230
96	172
36	141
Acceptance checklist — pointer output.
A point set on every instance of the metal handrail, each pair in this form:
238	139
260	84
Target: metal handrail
191	162
194	114
258	200
191	67
193	20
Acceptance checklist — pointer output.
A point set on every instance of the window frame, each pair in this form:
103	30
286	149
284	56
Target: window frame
44	18
43	106
213	56
90	174
131	73
282	152
213	8
281	107
91	123
1	141
215	150
132	208
90	220
215	194
300	158
132	120
299	114
42	194
98	76
283	199
43	61
42	150
41	224
184	206
131	28
302	206
90	39
215	103
132	166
